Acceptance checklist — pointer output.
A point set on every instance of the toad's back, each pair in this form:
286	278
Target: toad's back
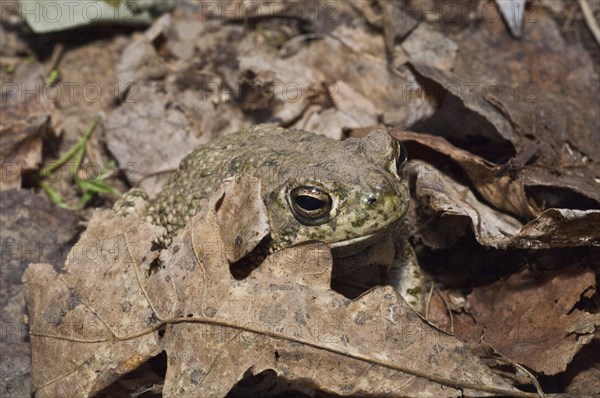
262	151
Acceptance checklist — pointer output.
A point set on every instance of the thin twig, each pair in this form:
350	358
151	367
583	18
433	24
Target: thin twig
533	379
567	25
420	227
401	367
286	49
57	54
429	297
447	309
588	15
523	369
366	55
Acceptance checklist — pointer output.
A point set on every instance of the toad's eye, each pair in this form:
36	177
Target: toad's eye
310	205
401	157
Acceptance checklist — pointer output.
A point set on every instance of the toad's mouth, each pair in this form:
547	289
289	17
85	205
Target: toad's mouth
352	242
350	247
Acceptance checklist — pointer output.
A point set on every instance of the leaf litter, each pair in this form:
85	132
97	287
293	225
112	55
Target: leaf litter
509	170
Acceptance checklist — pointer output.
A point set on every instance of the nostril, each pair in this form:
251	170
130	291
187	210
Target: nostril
372	200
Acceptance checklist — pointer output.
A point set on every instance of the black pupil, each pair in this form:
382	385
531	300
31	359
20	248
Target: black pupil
309	203
402	155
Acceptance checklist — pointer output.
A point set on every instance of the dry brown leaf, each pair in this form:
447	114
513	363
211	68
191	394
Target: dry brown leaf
140	61
502	192
297	92
397	23
427	46
556	88
107	314
560	228
86	333
350	110
442	194
531	317
240	234
552	228
27	115
208	119
462	114
136	134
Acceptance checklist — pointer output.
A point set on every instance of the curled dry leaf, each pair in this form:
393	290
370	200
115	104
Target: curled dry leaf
442	194
560	228
455	102
531	318
552	228
108	315
502	192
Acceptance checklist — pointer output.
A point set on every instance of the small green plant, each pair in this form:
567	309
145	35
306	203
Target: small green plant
90	187
53	77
